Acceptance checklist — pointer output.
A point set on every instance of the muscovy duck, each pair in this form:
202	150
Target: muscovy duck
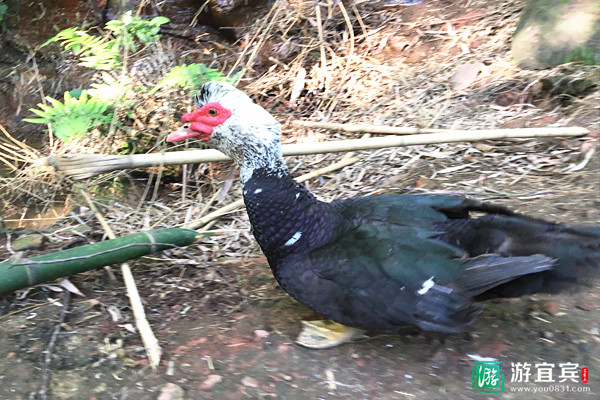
383	262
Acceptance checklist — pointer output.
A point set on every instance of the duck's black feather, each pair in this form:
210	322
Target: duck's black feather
383	262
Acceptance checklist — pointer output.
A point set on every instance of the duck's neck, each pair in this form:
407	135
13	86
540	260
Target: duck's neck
285	216
265	162
257	153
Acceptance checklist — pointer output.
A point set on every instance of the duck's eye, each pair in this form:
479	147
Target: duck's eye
186	125
213	112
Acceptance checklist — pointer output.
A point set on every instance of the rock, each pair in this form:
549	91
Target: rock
171	391
32	241
586	305
554	32
261	334
249	381
551	307
210	382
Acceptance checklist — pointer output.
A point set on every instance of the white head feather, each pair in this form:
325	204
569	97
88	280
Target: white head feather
250	136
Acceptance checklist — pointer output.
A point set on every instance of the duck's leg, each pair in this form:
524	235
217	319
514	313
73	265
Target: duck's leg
324	334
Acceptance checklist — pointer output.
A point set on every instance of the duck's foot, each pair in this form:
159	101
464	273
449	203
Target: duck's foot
326	334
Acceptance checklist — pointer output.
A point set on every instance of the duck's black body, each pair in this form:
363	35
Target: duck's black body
383	262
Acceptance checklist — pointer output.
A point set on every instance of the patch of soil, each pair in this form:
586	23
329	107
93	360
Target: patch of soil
236	346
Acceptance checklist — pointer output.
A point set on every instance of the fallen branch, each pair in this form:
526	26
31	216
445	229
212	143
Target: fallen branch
153	350
394	130
80	166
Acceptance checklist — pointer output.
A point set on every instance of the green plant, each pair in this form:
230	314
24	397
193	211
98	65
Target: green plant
584	55
3	8
103	52
73	118
193	76
127	26
94	51
111	89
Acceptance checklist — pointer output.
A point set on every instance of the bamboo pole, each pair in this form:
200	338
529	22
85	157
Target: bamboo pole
81	166
17	274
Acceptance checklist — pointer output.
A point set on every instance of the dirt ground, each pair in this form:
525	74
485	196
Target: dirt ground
226	328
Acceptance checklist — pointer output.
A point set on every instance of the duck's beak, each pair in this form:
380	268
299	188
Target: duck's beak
184	132
190	130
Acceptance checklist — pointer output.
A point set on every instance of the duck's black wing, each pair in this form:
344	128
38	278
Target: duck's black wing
386	266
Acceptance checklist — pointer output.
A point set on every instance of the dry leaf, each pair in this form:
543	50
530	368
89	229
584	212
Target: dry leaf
465	76
65	283
115	314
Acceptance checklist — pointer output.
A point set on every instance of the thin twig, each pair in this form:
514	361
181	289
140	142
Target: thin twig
29	150
46	373
151	344
349	57
269	22
321	43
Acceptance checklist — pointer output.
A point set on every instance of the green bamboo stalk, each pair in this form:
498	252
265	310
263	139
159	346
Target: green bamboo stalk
18	274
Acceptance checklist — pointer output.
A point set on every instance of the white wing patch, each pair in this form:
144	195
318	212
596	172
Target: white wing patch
428	284
293	239
257	191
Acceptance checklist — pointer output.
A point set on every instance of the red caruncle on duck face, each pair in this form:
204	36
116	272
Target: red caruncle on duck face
200	122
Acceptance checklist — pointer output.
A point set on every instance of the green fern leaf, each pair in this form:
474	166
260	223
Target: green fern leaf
36	120
40	113
72	118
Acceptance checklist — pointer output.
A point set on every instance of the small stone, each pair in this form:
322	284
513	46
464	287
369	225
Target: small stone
464	76
585	305
210	382
547	335
592	213
551	307
284	347
28	242
171	391
486	148
101	388
261	334
249	381
439	356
